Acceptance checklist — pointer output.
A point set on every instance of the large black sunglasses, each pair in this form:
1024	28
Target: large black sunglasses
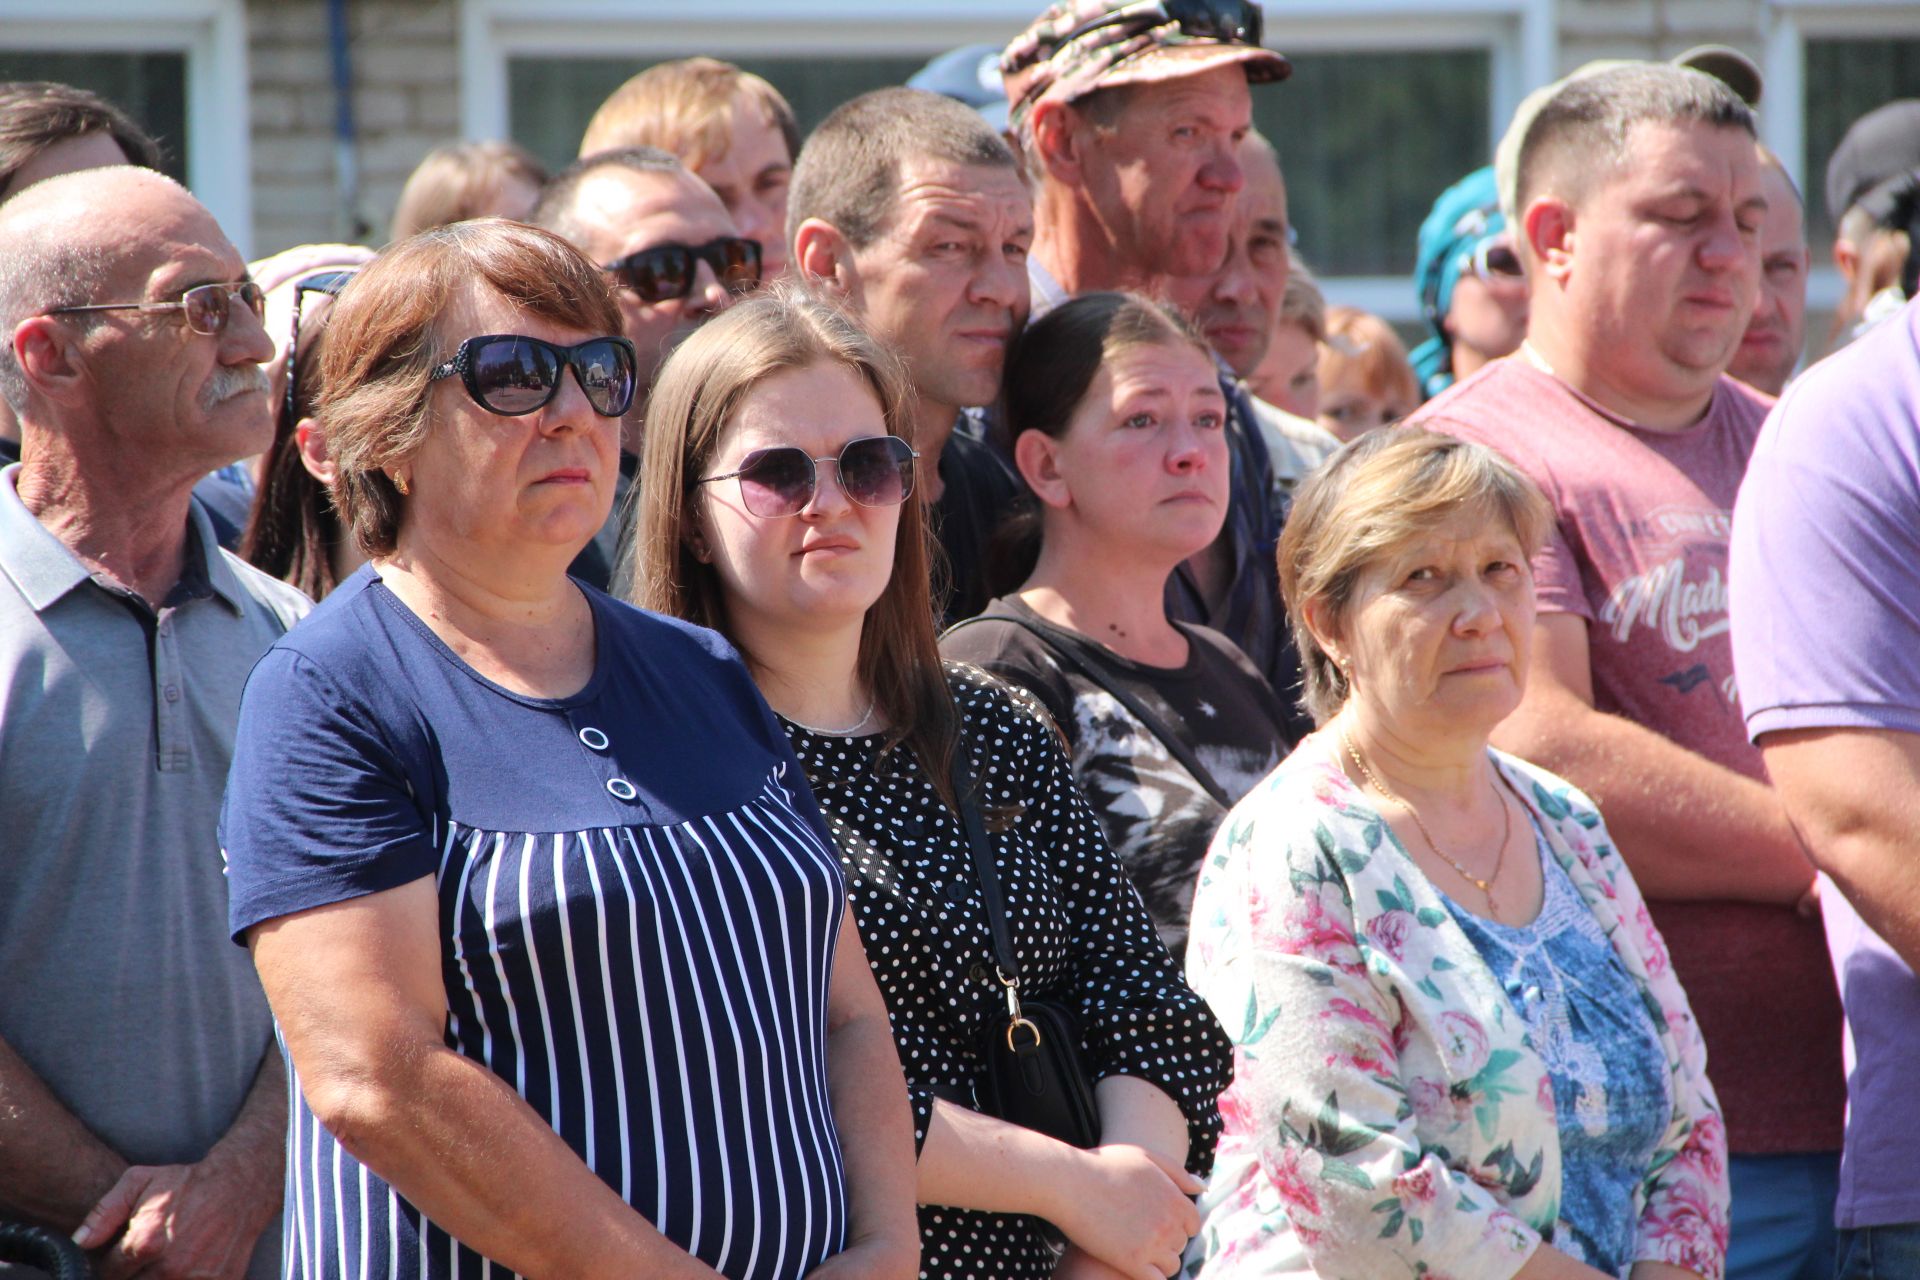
875	471
667	271
1230	21
511	374
329	283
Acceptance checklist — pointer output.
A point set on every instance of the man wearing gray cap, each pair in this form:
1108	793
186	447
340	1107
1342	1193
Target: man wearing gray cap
1873	197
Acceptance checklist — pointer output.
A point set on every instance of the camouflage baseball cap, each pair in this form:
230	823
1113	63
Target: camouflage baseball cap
1078	46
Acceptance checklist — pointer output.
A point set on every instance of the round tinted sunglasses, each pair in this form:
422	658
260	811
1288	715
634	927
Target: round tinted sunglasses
667	271
1495	258
204	307
511	375
875	471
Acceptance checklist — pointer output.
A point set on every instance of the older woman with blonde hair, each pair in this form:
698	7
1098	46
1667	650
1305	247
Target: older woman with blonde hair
1458	1038
781	508
552	929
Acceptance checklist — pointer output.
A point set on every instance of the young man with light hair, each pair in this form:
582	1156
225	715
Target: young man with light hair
1641	209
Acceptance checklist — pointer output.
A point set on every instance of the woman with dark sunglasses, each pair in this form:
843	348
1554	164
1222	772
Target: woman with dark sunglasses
780	508
551	926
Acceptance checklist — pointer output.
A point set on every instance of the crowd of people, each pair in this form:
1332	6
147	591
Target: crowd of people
592	739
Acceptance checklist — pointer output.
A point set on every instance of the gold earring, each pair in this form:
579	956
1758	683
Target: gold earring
400	483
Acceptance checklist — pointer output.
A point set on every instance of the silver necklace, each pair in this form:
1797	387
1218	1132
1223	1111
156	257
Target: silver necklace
850	730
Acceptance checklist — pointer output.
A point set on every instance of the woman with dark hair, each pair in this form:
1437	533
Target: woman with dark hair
551	926
779	475
294	533
1116	420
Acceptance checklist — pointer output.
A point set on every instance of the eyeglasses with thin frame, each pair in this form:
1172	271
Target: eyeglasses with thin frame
512	375
329	283
205	307
1496	260
874	471
664	272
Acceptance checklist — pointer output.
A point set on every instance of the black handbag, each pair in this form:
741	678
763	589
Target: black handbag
1031	1073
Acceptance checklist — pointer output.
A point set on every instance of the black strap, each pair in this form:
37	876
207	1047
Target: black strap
983	865
1069	647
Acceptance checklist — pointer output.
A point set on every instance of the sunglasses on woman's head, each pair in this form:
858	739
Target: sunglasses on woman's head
875	471
667	271
510	374
329	283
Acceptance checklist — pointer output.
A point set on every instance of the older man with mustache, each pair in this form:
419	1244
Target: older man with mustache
142	1100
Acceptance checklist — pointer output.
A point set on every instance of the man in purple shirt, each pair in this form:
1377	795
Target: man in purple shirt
1826	640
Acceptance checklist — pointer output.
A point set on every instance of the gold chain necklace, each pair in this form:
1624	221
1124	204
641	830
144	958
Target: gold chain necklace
1506	828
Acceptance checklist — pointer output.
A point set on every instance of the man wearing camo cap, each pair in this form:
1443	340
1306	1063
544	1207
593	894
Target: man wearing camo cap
1130	115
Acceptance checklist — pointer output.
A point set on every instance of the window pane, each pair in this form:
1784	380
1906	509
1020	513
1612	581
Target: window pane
150	87
1368	140
1845	80
551	99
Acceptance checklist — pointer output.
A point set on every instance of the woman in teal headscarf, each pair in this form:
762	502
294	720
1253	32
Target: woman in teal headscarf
1472	292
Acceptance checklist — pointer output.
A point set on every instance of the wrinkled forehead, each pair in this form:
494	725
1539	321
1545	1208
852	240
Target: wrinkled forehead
930	189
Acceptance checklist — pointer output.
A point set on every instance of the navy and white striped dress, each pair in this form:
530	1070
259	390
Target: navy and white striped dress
638	910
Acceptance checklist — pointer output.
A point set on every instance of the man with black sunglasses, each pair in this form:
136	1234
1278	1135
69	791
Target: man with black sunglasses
141	1097
675	260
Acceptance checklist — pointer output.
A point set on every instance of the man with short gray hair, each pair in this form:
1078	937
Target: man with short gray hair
1641	208
908	207
142	1100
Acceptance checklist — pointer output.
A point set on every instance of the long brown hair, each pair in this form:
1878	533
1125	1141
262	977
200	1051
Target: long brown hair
700	389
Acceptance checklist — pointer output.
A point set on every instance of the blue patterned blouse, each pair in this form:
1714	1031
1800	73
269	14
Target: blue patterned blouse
1587	1021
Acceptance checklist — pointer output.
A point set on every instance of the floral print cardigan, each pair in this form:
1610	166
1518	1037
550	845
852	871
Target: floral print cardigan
1388	1116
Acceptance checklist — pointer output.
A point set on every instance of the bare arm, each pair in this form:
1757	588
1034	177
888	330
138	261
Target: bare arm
874	1119
202	1219
357	989
1855	796
1720	835
52	1167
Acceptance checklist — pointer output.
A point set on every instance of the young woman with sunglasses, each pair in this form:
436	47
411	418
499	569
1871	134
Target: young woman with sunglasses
294	532
1115	418
552	930
780	508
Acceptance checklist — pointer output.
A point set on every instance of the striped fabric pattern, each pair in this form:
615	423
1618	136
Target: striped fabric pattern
657	993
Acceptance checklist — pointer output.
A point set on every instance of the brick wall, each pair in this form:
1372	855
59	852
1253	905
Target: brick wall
405	102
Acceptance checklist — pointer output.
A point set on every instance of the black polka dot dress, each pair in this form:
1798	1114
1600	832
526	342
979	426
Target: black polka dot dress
1080	931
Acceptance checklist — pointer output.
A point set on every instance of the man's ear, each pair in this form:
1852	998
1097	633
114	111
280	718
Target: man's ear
1846	256
48	352
824	258
1548	225
1059	141
1037	455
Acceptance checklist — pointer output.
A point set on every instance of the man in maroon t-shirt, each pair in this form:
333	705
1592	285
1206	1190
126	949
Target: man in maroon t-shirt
1642	275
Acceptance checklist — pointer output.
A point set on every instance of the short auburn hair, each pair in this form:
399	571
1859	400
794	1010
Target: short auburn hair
461	181
37	114
383	340
683	107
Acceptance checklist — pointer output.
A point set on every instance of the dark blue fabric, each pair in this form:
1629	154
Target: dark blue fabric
649	973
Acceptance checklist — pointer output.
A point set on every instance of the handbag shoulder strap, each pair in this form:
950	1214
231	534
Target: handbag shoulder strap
983	864
1071	649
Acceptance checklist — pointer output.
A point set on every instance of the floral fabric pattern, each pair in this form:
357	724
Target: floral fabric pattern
1389	1114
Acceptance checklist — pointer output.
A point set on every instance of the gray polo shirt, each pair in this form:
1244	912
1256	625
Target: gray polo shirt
118	984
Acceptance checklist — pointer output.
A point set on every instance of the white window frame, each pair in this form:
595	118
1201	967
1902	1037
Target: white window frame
213	36
1520	36
1783	112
